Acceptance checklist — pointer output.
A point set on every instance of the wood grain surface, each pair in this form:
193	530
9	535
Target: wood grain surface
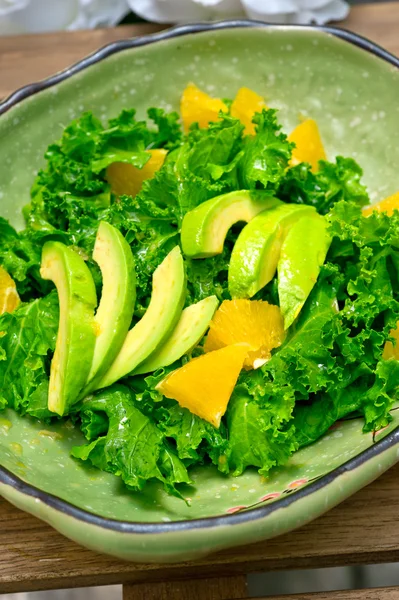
218	588
378	21
29	58
373	594
362	530
232	588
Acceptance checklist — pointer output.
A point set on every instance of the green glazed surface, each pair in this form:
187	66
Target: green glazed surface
301	72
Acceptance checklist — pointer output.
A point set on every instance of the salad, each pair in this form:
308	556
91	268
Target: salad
199	289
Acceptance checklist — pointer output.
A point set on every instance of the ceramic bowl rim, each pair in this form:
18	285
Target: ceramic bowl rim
156	527
65	507
180	30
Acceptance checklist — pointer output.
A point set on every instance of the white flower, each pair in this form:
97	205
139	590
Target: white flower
33	16
273	11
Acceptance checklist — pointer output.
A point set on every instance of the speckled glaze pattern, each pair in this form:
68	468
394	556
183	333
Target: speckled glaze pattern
301	71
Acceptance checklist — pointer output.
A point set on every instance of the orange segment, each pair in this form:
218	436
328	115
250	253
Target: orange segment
204	385
198	107
387	205
9	299
309	146
245	105
391	351
127	179
253	322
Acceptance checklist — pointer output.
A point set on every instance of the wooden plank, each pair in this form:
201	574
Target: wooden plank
28	58
391	593
378	21
218	588
362	530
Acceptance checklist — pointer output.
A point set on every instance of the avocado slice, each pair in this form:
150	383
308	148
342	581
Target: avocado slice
190	329
76	336
303	252
204	228
164	311
256	252
114	315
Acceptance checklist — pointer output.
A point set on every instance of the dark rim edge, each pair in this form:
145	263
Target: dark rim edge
7	478
118	46
254	514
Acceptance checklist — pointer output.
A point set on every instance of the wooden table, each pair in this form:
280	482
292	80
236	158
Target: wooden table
28	58
364	529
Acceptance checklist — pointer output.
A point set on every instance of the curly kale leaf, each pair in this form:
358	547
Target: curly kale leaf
332	182
27	342
130	443
266	155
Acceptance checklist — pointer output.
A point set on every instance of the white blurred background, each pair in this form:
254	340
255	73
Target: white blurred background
35	16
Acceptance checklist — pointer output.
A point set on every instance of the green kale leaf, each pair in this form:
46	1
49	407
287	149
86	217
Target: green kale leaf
266	155
168	134
332	182
20	256
132	446
27	341
194	437
259	436
71	193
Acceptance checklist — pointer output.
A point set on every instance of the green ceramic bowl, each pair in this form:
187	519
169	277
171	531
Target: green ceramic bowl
352	88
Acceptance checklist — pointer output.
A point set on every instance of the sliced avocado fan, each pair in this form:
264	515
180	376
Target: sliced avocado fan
303	252
190	329
76	336
165	308
256	252
204	228
114	315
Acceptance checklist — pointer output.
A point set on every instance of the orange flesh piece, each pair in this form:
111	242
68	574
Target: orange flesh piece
244	106
198	107
253	322
204	385
127	179
9	299
309	146
387	205
391	351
